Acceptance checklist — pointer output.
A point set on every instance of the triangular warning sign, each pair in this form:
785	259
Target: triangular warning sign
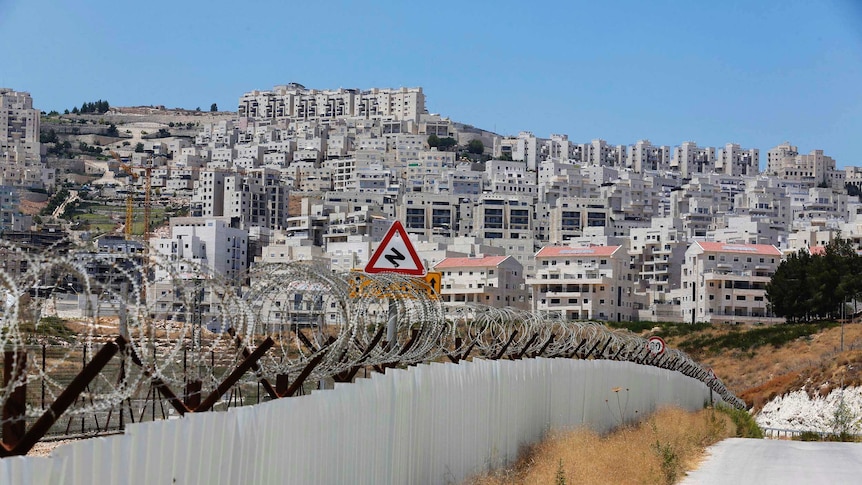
395	254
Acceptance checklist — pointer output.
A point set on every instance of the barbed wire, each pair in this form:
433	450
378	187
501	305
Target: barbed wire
183	322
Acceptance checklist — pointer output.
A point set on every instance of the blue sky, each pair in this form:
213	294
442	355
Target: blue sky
754	73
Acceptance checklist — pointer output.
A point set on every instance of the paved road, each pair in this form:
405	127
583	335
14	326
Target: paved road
741	461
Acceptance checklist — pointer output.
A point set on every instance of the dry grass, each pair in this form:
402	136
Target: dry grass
658	450
814	362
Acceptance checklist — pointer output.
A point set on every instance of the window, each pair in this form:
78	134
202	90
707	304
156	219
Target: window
740	297
727	297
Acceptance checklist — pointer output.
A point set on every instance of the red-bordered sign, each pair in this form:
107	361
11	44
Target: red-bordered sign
395	254
656	345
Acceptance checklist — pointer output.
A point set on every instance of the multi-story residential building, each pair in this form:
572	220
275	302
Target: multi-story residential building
20	151
748	230
496	281
724	282
572	215
199	248
256	198
657	253
598	153
583	283
434	214
295	102
460	181
785	162
19	125
691	160
560	149
735	161
11	218
504	217
643	156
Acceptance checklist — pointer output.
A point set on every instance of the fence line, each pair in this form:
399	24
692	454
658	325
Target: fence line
432	423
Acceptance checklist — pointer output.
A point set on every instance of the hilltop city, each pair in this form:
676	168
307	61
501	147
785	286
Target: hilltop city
582	229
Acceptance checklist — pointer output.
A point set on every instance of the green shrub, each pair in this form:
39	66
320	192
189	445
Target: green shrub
746	427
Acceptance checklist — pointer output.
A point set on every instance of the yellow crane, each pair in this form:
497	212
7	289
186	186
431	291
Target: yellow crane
130	200
130	197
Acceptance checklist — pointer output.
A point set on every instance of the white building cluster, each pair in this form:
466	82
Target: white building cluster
580	229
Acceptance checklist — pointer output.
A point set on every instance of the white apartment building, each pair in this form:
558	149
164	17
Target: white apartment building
560	149
20	150
734	160
496	281
691	160
583	283
460	181
644	156
598	153
785	162
427	214
199	248
204	246
657	253
572	215
295	102
725	282
19	125
256	198
504	217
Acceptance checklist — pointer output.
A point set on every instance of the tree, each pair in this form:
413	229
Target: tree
65	111
213	108
48	137
75	110
807	286
139	148
112	131
476	147
433	141
447	143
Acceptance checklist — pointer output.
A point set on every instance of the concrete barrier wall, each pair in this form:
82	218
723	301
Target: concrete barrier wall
430	424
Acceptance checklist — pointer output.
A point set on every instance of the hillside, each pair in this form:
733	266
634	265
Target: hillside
759	362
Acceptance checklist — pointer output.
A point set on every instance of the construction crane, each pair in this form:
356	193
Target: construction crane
130	201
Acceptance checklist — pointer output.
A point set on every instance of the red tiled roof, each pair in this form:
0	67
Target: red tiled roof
720	247
483	262
557	251
817	250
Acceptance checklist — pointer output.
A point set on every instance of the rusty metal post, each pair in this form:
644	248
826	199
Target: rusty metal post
14	370
505	346
193	394
281	384
65	399
524	349
234	376
44	350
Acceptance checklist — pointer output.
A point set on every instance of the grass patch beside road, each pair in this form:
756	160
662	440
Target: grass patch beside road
657	450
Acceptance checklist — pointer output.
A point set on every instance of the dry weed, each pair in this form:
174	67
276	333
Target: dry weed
658	450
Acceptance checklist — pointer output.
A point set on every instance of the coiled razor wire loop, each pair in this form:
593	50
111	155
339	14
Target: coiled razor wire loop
177	324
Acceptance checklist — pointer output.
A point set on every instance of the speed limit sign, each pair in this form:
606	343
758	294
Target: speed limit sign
656	345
